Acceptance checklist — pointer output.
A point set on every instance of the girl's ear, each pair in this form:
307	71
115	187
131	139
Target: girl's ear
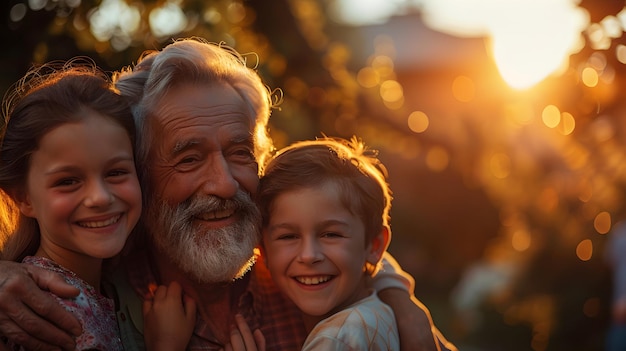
378	246
23	202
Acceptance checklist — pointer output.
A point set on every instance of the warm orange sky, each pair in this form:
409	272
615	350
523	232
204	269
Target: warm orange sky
524	53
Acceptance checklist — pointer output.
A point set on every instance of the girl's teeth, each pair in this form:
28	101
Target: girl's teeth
99	224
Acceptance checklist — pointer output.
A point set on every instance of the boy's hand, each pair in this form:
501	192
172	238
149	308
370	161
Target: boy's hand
414	322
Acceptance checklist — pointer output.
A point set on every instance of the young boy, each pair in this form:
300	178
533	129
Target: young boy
325	206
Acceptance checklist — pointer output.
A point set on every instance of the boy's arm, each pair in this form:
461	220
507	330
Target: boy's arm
31	317
415	326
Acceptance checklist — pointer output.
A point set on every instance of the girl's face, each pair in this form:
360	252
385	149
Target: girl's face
83	190
315	250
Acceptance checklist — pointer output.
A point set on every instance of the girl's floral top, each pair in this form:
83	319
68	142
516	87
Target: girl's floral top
95	312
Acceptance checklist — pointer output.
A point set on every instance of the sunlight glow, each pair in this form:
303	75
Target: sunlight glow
584	250
521	240
167	20
463	89
568	123
602	222
551	116
363	12
529	39
437	159
418	121
589	77
116	21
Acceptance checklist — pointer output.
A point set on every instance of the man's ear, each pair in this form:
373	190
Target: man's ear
379	245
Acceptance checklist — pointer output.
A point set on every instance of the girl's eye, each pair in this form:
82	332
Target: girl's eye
65	182
118	172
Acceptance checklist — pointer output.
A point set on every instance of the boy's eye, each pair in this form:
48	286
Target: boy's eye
332	235
286	236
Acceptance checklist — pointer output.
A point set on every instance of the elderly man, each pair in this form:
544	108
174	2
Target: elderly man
202	120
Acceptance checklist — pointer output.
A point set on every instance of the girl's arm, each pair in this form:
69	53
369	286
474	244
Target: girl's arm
169	319
243	339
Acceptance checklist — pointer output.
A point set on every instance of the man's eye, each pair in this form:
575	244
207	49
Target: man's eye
187	160
244	153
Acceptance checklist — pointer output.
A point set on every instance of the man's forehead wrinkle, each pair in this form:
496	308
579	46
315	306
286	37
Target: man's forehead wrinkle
242	138
217	106
209	107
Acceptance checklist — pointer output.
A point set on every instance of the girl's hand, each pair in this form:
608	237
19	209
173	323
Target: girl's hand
169	319
243	339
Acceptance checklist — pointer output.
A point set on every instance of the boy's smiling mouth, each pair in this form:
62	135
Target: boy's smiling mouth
313	280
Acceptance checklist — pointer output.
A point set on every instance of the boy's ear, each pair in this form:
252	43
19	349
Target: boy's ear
379	245
262	252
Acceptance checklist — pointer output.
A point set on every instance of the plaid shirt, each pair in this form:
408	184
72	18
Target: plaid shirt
261	304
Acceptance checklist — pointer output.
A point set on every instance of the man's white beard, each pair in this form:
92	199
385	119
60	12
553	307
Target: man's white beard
216	255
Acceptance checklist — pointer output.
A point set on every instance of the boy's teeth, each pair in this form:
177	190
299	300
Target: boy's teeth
313	280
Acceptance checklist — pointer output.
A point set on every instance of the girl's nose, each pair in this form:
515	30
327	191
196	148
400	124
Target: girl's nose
99	195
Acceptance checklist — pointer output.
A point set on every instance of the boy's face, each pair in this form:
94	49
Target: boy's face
315	250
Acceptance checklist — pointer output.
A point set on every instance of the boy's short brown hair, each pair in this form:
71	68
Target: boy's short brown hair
356	170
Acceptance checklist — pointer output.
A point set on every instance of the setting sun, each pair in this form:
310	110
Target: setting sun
528	40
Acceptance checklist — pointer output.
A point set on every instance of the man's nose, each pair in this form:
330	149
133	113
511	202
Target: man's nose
219	179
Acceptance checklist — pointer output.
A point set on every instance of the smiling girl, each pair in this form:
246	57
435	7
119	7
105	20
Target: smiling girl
71	193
